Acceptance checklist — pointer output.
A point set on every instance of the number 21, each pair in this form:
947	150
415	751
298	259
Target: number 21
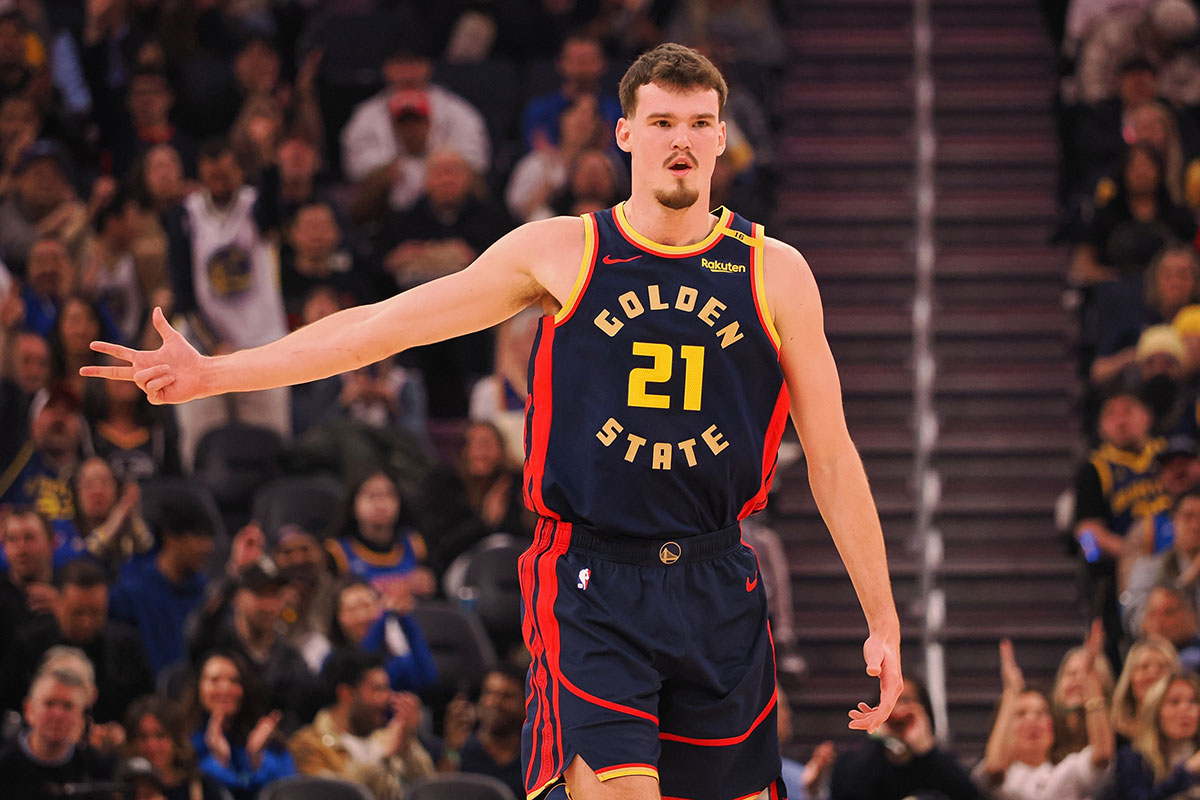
660	372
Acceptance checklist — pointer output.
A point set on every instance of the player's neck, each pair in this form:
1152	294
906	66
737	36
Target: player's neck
669	226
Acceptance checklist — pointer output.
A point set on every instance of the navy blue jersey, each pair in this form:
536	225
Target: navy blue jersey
656	399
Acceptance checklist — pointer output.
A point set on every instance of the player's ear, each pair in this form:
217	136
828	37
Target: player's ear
624	131
721	137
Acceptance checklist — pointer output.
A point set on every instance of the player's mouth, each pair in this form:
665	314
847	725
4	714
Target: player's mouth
680	166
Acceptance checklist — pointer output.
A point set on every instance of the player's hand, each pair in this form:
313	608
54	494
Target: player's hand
882	655
170	374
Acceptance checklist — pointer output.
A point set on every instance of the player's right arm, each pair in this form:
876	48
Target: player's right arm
534	263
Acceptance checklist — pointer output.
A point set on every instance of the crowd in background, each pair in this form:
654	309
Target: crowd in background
198	601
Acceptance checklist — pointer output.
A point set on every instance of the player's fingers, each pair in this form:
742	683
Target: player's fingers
112	373
143	377
160	323
158	384
114	350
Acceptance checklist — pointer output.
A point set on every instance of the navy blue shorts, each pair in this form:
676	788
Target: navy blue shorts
649	658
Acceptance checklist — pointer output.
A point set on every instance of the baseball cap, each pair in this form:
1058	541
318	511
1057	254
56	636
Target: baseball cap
261	576
409	102
1179	445
139	769
1160	339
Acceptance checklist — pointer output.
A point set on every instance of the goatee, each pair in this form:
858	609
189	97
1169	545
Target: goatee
677	199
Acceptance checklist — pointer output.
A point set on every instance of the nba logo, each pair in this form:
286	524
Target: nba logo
585	575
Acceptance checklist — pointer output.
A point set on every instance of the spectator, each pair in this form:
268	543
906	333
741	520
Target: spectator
388	137
1169	616
30	364
500	397
41	202
1178	471
310	592
149	101
27	585
109	516
1160	360
1152	28
377	545
80	322
1132	225
1163	761
1017	761
130	434
159	179
494	746
157	596
41	475
384	626
245	617
50	277
16	71
121	669
744	33
592	185
1179	566
1124	308
1187	324
224	282
478	496
235	745
904	760
110	275
777	580
315	254
542	173
20	126
582	66
1149	659
809	781
354	740
289	181
156	733
1106	506
52	751
1071	692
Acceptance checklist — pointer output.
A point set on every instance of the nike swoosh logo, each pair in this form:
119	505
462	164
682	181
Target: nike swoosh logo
611	260
750	584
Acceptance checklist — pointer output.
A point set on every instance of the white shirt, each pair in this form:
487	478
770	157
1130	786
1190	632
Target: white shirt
1073	778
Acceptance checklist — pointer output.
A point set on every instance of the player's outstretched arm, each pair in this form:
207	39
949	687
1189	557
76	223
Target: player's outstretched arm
502	281
835	470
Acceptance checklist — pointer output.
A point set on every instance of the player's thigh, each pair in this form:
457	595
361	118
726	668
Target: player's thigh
584	785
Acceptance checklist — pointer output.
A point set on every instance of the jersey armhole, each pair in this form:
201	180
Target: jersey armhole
758	285
584	275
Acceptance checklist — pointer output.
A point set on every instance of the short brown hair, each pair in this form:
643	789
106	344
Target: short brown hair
674	67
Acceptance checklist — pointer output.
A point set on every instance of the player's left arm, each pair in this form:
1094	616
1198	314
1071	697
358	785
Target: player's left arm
835	470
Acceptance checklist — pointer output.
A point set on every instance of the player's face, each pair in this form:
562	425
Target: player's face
674	137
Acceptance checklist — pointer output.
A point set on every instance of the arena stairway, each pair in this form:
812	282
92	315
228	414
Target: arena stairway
1004	383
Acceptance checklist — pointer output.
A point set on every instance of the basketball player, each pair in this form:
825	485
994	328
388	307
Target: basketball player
673	346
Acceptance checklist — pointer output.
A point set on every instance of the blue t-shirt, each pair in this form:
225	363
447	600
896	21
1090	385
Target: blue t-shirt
144	598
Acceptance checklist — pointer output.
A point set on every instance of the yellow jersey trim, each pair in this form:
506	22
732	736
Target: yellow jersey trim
339	557
757	252
18	464
671	250
389	559
590	244
622	772
1105	472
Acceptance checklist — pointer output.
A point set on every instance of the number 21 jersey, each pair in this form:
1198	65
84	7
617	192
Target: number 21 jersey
656	400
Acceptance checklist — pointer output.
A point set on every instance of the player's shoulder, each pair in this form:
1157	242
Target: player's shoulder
784	264
550	231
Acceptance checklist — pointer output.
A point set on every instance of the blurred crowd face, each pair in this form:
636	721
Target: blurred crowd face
42	187
1125	422
315	232
592	176
377	505
164	174
262	610
1033	729
1176	278
1187	526
96	489
369	708
1149	126
79	327
1179	715
448	179
1142	175
32	363
407	73
221	176
1137	87
54	713
220	686
358	608
190	551
152	741
483	452
581	64
908	709
579	124
49	268
1069	691
1147	670
28	546
1168	615
257	67
81	612
18	118
298	160
320	303
56	430
149	100
300	551
501	706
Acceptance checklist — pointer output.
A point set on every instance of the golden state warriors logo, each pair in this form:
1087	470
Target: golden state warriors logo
669	553
229	271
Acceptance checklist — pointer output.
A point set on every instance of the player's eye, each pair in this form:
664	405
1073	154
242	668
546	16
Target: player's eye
701	123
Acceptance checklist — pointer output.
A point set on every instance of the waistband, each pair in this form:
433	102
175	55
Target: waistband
649	551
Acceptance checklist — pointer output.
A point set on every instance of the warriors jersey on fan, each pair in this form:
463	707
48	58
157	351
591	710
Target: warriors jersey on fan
657	402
